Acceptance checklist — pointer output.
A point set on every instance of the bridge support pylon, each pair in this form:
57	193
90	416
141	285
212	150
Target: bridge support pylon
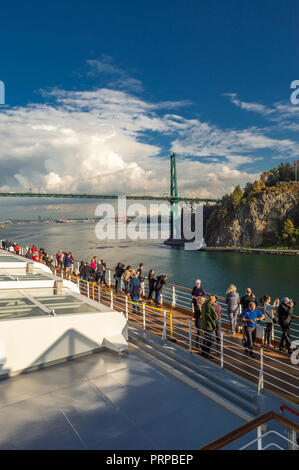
174	210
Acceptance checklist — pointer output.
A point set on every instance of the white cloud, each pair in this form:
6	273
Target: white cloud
203	140
284	114
118	77
97	142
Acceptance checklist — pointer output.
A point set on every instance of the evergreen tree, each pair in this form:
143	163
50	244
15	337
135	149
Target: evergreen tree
236	197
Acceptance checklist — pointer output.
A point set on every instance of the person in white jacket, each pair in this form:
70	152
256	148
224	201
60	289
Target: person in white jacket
269	311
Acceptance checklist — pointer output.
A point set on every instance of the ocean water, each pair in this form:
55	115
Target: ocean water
277	276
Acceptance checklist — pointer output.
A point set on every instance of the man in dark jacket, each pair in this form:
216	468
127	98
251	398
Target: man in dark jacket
248	297
151	284
135	289
198	290
197	315
119	270
87	272
68	263
160	282
285	312
208	323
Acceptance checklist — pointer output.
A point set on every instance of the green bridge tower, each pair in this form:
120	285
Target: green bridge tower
173	194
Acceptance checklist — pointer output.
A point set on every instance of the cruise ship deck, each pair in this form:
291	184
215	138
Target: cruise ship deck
107	401
78	373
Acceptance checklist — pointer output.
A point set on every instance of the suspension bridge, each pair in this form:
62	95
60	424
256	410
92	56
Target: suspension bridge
173	197
106	196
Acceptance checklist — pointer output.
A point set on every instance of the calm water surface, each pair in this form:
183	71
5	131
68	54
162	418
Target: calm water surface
265	274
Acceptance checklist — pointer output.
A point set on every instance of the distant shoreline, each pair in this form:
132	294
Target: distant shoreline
259	251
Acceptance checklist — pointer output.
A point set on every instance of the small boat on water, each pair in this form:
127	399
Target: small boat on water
124	220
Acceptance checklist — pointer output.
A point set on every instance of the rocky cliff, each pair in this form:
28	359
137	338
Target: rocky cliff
256	222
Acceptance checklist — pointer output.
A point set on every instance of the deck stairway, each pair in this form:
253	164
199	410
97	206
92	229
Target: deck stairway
219	385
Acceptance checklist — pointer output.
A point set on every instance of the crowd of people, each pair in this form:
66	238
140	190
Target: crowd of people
30	252
128	280
243	312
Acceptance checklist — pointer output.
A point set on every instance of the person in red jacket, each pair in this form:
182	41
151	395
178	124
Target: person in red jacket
17	249
58	255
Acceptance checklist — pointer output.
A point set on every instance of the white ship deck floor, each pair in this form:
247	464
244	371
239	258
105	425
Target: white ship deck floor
106	401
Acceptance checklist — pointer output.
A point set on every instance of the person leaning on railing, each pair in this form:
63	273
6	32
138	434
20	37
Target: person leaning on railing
232	300
119	270
135	290
285	315
248	297
197	316
101	272
250	316
58	255
127	278
68	263
160	282
270	319
86	272
151	285
197	291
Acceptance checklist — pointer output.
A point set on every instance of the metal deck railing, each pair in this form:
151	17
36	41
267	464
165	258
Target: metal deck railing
265	371
174	321
180	297
285	439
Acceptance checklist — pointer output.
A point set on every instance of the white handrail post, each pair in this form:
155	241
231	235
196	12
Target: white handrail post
143	314
259	438
164	327
221	349
109	277
111	299
99	292
292	436
261	377
190	335
127	308
173	297
87	289
161	299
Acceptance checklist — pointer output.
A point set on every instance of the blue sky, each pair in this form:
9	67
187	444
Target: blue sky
98	94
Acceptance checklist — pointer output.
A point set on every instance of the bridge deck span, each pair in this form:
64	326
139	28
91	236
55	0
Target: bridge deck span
108	196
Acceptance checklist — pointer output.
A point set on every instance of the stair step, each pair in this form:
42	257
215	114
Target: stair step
235	388
197	376
232	407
